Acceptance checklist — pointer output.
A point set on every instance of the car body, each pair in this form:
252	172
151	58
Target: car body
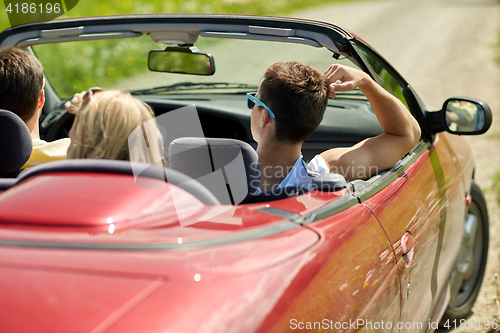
88	250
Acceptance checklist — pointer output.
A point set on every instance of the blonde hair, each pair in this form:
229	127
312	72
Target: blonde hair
102	129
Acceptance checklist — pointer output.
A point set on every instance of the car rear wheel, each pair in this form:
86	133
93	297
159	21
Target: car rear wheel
471	261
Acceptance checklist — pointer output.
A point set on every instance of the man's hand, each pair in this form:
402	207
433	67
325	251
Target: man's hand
342	78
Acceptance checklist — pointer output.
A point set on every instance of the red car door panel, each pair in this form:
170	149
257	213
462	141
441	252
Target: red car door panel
353	235
418	203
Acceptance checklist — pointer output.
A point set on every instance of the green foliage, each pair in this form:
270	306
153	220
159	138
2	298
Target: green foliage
496	185
497	57
76	66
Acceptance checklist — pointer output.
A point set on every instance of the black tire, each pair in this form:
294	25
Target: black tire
461	302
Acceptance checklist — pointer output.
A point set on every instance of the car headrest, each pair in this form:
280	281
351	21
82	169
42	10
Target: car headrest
15	143
229	168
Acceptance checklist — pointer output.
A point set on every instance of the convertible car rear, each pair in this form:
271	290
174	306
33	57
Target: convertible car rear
114	246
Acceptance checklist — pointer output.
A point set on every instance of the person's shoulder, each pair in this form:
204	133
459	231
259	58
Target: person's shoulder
47	151
64	141
56	143
44	151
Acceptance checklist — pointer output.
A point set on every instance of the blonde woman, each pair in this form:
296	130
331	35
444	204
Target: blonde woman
114	125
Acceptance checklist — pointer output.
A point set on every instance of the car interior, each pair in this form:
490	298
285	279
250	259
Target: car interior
220	103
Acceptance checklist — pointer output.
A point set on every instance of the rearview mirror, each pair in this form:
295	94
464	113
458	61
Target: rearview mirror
466	116
181	60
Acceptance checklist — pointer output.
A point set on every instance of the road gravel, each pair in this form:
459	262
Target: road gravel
443	48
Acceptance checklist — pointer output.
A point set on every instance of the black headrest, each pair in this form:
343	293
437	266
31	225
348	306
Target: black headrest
229	168
15	142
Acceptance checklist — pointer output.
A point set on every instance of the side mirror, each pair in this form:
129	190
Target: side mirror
461	116
182	60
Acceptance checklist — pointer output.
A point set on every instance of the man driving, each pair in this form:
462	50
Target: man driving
288	108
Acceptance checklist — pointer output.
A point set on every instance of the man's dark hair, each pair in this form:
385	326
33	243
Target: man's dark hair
21	80
297	93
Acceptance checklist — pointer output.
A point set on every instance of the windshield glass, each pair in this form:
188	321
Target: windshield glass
122	63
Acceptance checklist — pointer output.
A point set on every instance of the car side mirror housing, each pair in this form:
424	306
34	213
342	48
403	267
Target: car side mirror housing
181	59
461	116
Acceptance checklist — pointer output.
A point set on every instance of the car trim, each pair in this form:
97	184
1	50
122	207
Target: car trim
77	38
269	38
397	171
63	32
263	232
279	212
328	35
330	209
313	39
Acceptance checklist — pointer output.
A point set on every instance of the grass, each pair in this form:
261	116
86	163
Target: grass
497	57
496	185
496	135
78	66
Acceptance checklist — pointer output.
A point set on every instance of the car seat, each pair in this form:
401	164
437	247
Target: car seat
229	168
15	146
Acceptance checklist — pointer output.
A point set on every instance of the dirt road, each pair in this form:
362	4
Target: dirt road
443	48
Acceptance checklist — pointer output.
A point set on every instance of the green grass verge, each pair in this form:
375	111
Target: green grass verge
497	58
496	185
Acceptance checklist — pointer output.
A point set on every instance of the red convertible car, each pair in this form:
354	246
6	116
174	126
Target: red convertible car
115	246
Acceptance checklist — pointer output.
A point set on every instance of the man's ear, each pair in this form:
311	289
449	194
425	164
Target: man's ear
266	119
41	102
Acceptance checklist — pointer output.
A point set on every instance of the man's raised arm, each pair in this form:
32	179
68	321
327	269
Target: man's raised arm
372	155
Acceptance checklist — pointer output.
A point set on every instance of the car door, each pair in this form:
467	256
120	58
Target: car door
349	282
413	209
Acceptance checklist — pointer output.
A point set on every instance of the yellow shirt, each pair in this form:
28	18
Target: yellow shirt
44	151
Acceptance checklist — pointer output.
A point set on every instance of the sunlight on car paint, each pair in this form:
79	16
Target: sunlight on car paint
212	214
111	227
384	255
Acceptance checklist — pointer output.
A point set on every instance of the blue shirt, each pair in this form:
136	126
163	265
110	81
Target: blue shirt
299	176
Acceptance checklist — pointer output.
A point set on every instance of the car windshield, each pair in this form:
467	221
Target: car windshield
122	63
